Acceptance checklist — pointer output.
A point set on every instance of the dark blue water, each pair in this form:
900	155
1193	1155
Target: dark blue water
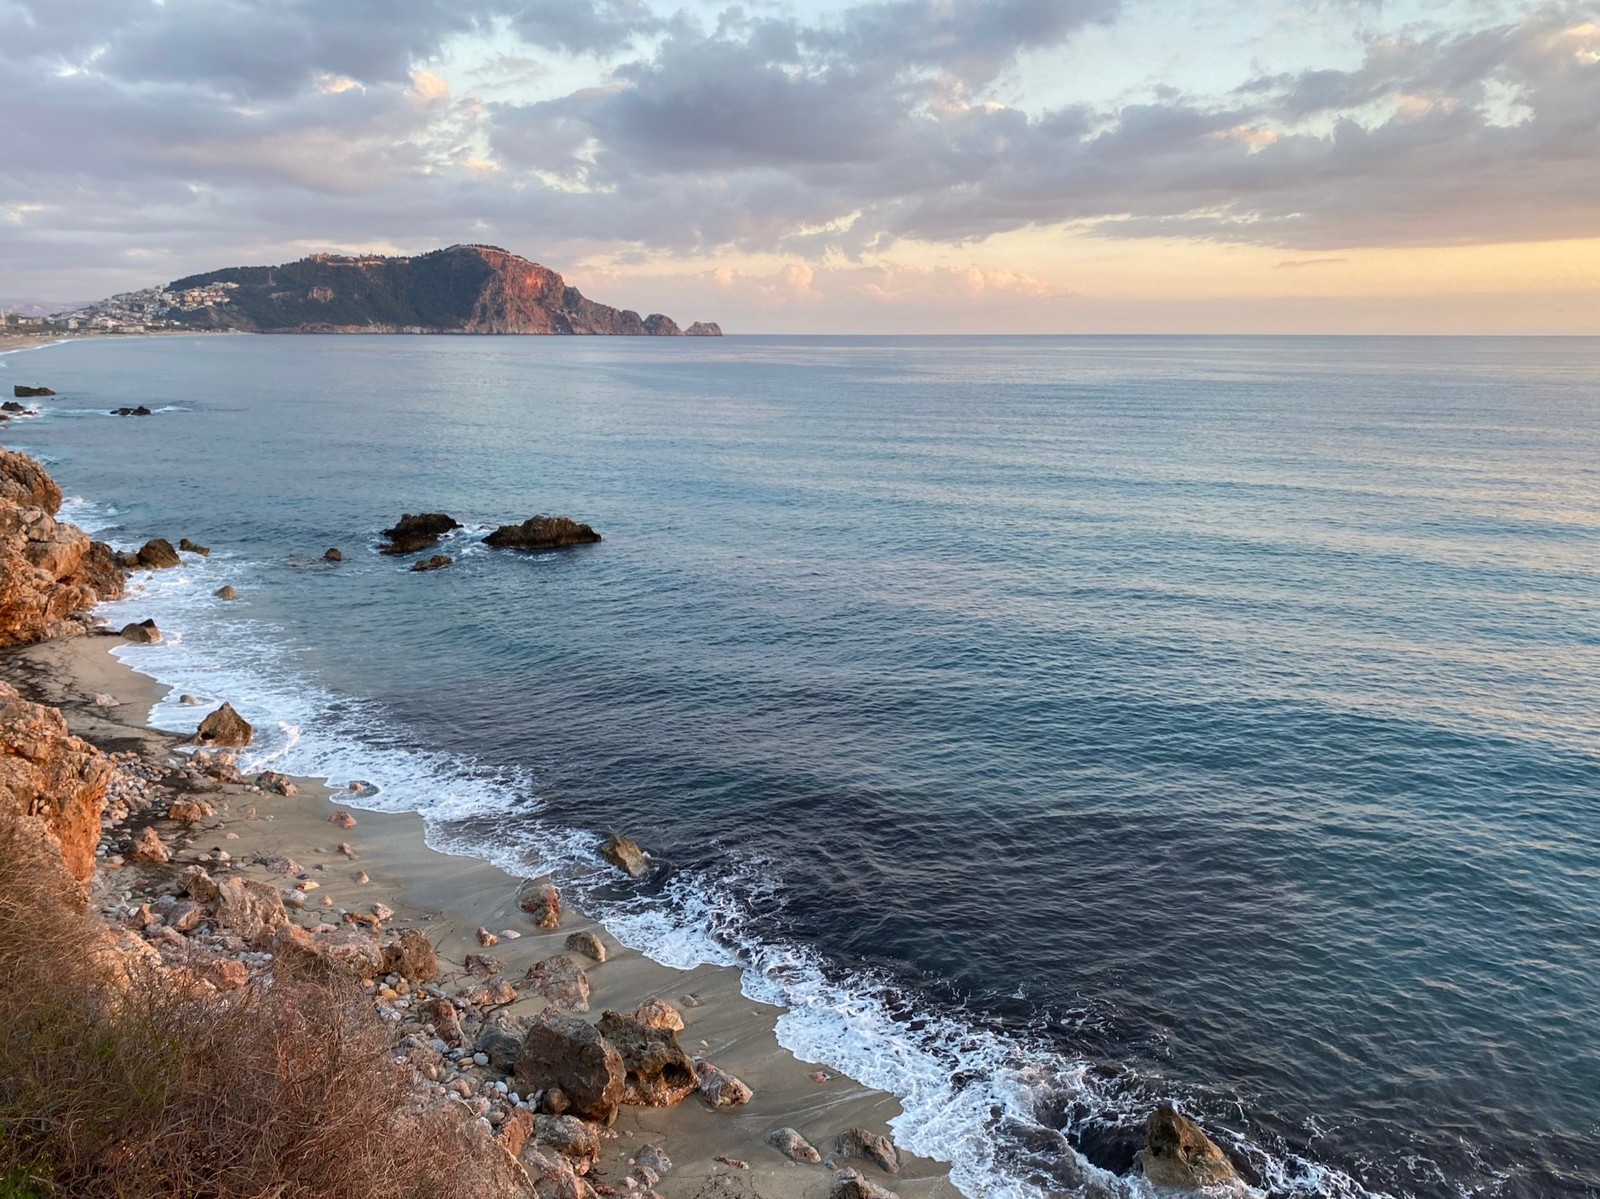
1053	724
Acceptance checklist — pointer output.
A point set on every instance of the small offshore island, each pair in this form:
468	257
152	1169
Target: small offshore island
459	289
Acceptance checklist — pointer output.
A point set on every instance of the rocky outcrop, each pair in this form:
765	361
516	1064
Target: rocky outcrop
193	547
460	289
703	329
52	785
659	1072
224	727
1177	1152
569	1053
51	573
27	393
158	554
542	533
412	533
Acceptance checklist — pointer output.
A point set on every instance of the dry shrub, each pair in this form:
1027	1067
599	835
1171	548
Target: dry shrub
136	1088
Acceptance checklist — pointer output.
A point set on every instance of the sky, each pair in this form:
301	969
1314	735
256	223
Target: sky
828	166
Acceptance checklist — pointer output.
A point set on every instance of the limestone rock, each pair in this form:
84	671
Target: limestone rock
541	901
446	1021
624	853
850	1184
1177	1153
653	1157
793	1146
251	909
224	727
52	784
412	533
560	980
570	1137
659	1072
158	554
191	547
880	1150
542	533
190	811
411	956
588	944
147	847
566	1052
720	1088
703	329
144	632
658	1013
279	784
24	392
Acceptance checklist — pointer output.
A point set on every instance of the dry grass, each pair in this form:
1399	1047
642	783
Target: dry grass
137	1089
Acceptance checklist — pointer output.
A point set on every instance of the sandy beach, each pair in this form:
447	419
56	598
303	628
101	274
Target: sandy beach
715	1152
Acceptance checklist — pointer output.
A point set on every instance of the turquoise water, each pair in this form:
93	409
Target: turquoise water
1051	724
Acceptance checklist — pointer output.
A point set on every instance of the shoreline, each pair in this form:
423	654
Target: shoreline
450	897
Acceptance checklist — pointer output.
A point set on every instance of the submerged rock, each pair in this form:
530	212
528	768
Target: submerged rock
542	533
437	562
141	410
569	1053
225	592
224	727
624	853
412	533
1177	1152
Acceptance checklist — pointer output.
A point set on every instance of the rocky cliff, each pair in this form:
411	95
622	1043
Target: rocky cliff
51	573
52	785
462	289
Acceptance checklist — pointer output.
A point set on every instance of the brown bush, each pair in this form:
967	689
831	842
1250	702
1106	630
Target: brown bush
124	1083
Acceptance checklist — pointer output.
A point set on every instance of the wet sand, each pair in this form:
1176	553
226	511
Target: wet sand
451	897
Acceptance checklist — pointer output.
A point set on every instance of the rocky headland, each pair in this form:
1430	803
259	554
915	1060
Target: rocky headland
460	289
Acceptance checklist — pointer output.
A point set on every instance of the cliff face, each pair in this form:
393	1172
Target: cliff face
51	573
52	785
462	289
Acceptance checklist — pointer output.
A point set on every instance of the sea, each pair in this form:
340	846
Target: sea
1044	726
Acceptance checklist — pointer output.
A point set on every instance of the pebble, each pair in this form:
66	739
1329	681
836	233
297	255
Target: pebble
480	1059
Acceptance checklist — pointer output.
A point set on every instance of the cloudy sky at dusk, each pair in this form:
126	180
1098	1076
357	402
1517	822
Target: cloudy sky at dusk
906	165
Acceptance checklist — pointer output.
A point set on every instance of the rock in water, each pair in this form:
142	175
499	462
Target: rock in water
703	329
849	1184
437	562
541	901
145	632
191	547
720	1088
569	1053
158	554
879	1150
224	727
659	1072
332	555
793	1146
624	853
1177	1153
412	533
23	392
542	533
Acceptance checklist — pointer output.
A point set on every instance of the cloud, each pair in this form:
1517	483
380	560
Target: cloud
1295	264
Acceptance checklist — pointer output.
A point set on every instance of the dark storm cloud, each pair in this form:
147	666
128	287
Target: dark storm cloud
219	126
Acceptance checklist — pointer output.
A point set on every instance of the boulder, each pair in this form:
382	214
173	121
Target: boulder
446	1021
658	1013
190	547
411	956
251	909
720	1088
570	1137
13	406
880	1150
437	562
144	632
271	780
793	1146
542	533
501	1045
226	592
850	1184
332	555
190	811
224	727
659	1072
541	901
624	853
158	554
1177	1153
653	1157
23	392
412	533
197	884
566	1052
587	944
147	847
560	980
